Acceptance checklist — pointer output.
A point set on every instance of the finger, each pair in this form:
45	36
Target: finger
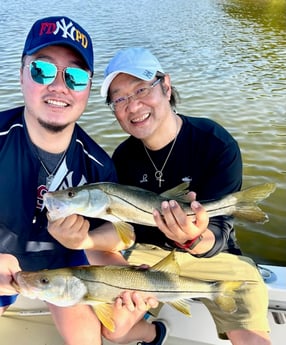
139	301
179	215
192	196
202	217
127	300
159	220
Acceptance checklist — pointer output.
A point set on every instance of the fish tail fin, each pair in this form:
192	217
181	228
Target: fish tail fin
125	232
255	193
225	299
246	200
250	212
226	303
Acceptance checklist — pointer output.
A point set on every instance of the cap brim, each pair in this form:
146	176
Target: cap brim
108	80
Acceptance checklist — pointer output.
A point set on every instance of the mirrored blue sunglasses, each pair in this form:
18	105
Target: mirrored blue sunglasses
43	72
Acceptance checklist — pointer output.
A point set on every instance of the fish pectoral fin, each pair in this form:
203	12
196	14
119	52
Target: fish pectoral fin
168	264
125	232
178	193
226	303
182	306
104	313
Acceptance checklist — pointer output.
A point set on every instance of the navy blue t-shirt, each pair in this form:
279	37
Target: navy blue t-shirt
23	221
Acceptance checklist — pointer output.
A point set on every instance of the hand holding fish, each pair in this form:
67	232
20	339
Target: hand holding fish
74	232
9	265
174	222
128	310
71	232
133	301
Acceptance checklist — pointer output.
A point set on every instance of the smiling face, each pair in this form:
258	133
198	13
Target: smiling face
147	118
53	107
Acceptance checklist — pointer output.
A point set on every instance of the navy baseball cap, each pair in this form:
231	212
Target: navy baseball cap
136	61
59	30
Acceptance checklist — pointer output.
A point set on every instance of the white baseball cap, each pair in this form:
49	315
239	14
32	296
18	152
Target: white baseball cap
136	61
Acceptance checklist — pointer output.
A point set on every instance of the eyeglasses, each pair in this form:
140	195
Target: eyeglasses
44	73
121	102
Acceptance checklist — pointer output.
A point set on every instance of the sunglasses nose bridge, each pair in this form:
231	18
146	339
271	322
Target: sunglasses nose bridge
59	77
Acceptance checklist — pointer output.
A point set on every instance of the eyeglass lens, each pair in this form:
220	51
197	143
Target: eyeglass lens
45	73
138	94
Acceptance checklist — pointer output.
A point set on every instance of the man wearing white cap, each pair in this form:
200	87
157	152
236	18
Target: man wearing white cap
164	149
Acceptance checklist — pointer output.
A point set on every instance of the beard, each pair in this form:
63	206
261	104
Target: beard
53	128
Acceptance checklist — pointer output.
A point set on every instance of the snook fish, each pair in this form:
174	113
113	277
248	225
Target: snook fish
100	285
121	203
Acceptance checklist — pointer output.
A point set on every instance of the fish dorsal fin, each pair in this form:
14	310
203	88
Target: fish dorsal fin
182	306
168	264
104	313
178	193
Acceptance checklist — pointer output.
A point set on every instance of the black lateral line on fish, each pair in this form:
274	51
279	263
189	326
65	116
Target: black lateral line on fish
143	210
210	283
129	203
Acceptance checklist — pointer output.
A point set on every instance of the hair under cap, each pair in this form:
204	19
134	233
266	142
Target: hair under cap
59	31
137	61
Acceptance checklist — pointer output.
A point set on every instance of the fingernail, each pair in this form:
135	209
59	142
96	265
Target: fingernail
172	203
165	204
195	204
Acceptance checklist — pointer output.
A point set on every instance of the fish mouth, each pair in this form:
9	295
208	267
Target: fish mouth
54	206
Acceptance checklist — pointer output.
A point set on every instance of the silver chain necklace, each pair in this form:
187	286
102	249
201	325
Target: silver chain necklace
159	172
51	174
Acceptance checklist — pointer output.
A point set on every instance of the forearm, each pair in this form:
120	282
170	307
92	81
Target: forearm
107	238
104	258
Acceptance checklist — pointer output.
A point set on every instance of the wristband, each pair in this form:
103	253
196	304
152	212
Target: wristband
190	244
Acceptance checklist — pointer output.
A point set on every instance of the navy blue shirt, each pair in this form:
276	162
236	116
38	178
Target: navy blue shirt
23	222
204	154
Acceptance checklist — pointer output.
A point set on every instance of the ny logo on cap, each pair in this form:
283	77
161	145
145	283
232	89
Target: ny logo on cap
68	31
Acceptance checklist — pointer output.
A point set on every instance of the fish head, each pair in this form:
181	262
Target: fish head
59	286
82	200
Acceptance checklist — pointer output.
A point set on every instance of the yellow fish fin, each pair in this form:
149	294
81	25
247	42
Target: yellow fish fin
104	313
125	232
229	287
246	199
182	306
178	193
168	264
226	303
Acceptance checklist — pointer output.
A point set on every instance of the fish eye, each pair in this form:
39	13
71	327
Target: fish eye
71	194
44	280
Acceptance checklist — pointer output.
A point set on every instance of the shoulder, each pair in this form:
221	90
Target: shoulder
92	155
206	128
88	145
128	146
11	117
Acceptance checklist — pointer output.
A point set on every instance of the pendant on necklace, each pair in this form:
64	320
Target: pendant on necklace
158	176
49	180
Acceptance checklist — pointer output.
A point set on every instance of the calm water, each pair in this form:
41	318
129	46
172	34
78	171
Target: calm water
226	58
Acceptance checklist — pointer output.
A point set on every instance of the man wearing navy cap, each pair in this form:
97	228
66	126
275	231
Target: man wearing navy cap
43	148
